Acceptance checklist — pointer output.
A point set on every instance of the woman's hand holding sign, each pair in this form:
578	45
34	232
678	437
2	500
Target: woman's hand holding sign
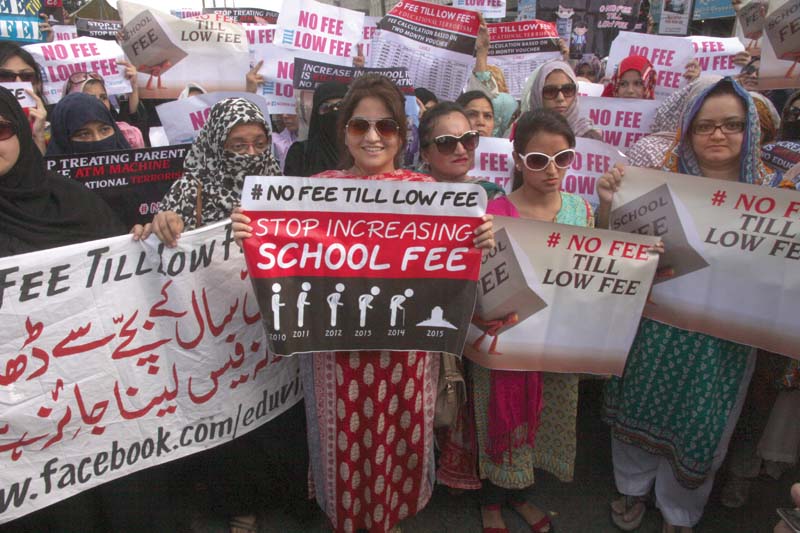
606	187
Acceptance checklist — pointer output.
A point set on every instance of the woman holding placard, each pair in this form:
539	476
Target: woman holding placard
382	402
18	65
634	78
554	86
702	379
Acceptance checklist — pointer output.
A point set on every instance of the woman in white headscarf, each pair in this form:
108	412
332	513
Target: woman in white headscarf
553	85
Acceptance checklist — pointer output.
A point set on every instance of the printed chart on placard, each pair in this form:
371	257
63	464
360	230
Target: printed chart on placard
517	68
445	73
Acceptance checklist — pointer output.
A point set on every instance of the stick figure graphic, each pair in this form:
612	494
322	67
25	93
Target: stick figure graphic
396	303
276	306
363	304
334	302
302	302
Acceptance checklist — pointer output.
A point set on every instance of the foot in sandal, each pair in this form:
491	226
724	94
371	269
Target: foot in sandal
492	519
538	520
627	512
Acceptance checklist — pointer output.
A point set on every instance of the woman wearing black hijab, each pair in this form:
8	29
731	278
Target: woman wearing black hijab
82	124
38	209
320	152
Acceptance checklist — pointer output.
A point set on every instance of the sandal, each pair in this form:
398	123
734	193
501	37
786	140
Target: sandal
543	525
244	524
493	507
624	520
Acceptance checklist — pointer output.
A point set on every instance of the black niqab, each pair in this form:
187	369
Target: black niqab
72	113
38	209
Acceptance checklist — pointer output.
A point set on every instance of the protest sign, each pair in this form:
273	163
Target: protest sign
19	21
310	74
586	88
20	88
615	14
171	53
370	27
712	9
780	49
675	17
59	60
183	119
435	43
716	54
185	12
491	9
259	40
494	162
63	32
122	355
340	264
623	121
101	29
559	298
669	56
732	250
132	182
519	47
248	15
317	27
278	71
592	160
751	18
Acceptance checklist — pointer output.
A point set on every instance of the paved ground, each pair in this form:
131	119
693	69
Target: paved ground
577	507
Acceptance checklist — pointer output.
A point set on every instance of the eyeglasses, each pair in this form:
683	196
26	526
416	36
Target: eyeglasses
240	148
537	161
550	92
446	144
729	127
329	107
386	127
78	77
7	130
7	75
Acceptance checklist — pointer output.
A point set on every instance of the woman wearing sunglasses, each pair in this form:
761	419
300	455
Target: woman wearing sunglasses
532	423
16	65
363	493
93	83
554	86
676	452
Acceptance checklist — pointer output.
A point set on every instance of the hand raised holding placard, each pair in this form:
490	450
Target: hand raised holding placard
608	184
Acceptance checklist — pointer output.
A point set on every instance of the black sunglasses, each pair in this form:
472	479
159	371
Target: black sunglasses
550	92
386	127
446	144
11	75
7	130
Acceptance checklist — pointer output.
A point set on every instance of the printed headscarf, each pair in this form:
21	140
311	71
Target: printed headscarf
641	65
219	173
681	158
72	113
532	95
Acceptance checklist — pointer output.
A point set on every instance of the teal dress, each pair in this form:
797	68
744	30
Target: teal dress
675	396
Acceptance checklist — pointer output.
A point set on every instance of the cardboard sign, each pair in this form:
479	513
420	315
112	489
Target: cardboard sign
592	160
623	121
494	162
19	89
751	17
321	28
669	56
726	243
101	29
675	17
519	48
559	298
63	32
342	264
491	9
781	47
19	21
59	60
132	182
171	53
136	355
434	43
716	54
183	119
